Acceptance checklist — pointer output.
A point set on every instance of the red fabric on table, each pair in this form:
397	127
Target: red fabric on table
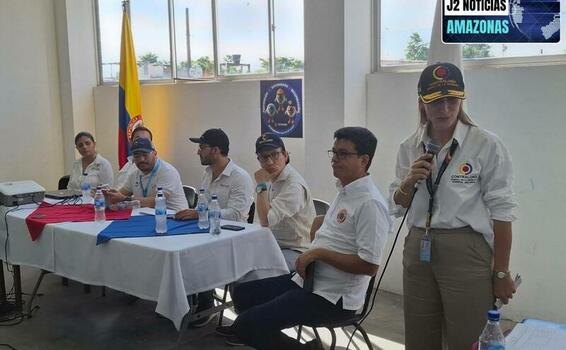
48	214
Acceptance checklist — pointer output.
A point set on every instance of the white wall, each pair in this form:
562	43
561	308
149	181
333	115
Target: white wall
176	112
30	109
526	108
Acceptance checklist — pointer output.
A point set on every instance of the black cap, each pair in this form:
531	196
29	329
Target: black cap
441	80
268	141
142	145
213	137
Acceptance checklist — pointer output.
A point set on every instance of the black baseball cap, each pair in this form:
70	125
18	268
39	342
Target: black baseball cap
213	137
142	145
268	141
441	80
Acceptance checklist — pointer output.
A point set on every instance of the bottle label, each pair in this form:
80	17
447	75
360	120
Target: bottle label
99	203
201	207
160	211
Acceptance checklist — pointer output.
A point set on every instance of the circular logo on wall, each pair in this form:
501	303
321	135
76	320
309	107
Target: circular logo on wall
281	108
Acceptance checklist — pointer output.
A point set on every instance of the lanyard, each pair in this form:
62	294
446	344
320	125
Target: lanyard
433	187
153	172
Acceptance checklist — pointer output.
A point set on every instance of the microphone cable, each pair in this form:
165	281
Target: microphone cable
384	268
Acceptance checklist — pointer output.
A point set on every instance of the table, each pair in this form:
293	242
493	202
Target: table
164	269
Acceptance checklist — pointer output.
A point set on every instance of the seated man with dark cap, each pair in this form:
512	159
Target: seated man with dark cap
283	201
151	173
232	184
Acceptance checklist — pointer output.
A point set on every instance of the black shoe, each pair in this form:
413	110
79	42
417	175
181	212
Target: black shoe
234	341
225	331
201	322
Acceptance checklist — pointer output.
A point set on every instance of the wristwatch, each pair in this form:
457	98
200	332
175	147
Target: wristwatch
501	274
262	186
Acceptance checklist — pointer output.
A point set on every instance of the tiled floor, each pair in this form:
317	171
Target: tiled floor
69	319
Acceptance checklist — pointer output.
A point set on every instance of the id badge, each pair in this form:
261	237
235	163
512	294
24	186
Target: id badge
425	249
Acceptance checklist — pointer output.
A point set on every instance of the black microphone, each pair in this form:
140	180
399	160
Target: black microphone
432	147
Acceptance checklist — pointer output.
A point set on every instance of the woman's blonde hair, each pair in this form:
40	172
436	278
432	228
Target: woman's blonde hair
462	115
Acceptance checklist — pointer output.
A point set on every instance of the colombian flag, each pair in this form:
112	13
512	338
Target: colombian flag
129	101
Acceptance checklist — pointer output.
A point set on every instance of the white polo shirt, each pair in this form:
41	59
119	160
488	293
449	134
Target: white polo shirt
357	222
292	210
167	177
475	189
99	172
124	173
234	188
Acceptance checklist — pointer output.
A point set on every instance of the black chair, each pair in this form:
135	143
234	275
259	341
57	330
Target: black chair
63	182
251	214
191	195
320	206
354	321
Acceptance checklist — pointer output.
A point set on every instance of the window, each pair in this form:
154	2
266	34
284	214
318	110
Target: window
289	35
149	20
194	39
203	39
243	39
405	37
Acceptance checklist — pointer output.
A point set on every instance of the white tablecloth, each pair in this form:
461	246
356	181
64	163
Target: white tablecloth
165	269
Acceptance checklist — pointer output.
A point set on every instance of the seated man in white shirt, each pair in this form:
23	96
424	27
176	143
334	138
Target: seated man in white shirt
283	201
130	167
151	173
346	250
232	184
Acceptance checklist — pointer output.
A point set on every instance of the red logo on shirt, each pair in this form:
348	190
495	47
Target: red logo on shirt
342	215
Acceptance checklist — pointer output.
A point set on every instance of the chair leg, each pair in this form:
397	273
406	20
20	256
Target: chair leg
221	315
299	332
333	334
34	292
365	335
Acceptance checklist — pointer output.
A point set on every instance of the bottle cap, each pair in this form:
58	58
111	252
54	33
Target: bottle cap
493	315
214	196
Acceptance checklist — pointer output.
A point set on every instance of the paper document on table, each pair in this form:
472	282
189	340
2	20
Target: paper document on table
531	337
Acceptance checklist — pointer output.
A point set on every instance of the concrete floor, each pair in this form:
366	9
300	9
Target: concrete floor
69	319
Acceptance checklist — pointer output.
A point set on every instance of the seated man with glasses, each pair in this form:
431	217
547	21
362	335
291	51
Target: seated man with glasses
151	173
346	250
223	177
283	200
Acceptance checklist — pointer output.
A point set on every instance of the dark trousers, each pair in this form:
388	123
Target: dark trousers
269	305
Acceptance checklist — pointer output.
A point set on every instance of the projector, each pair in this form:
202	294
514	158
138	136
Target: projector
20	192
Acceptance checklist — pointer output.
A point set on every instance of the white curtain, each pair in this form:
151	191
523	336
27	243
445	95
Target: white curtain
438	51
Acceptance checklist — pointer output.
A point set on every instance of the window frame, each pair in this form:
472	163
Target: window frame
272	73
491	62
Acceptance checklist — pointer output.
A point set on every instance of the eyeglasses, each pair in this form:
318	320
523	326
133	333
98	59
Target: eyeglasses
266	156
341	155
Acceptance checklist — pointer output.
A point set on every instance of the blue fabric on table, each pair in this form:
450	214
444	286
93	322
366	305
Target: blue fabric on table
144	226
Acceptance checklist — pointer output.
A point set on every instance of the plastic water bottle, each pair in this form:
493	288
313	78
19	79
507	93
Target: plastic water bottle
202	210
492	338
85	189
99	206
160	212
214	215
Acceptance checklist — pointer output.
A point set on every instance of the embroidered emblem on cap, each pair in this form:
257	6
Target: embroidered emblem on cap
440	73
342	215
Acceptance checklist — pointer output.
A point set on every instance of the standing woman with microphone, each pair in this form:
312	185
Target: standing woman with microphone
456	180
